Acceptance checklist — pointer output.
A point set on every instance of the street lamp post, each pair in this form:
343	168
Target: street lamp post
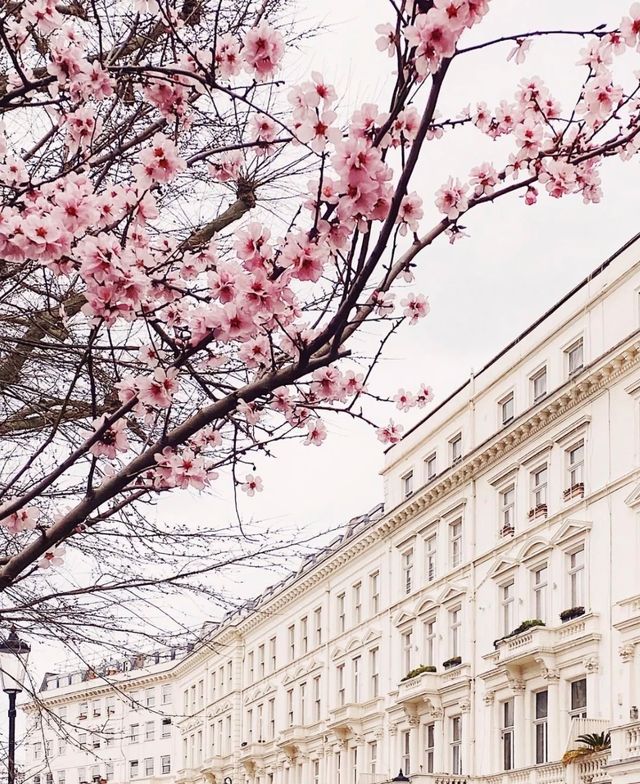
14	654
400	777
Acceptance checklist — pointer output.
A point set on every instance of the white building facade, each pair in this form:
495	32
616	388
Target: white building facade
472	627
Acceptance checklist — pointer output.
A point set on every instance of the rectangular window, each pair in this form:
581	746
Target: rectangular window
507	509
540	577
250	725
290	707
373	758
575	357
407	570
355	672
507	409
507	607
250	666
317	699
430	555
291	631
271	718
165	763
260	722
579	699
261	661
133	769
342	615
430	642
455	542
148	766
150	731
150	698
374	675
340	685
166	696
304	634
374	592
316	771
133	733
455	624
317	617
405	752
507	735
272	654
540	726
430	469
407	484
430	746
456	745
407	650
575	465
576	578
166	728
302	718
357	602
354	765
455	449
539	385
539	478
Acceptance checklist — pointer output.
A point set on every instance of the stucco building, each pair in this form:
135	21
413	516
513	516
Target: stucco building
471	627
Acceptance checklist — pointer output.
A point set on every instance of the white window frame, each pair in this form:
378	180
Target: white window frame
507	511
431	556
407	484
430	746
406	649
507	409
356	671
374	592
340	687
317	619
539	490
575	467
507	734
577	576
374	674
455	630
456	542
455	449
356	593
291	633
429	626
507	606
341	601
455	744
407	570
579	712
540	592
541	373
405	752
430	467
574	357
540	724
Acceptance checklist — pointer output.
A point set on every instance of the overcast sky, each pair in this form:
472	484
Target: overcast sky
483	290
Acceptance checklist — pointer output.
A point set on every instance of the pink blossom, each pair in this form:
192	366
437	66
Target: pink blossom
263	50
317	432
159	163
451	199
519	52
456	11
483	178
316	130
404	400
531	196
558	177
387	40
112	440
251	485
82	127
415	307
264	131
227	166
390	433
227	56
434	38
157	390
630	25
305	258
424	396
410	213
24	519
53	558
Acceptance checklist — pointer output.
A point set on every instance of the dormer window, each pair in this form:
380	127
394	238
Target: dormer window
575	357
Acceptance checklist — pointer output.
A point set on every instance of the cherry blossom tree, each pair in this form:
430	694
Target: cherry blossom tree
161	323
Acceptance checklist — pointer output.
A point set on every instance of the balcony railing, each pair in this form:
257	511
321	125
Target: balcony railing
585	727
625	741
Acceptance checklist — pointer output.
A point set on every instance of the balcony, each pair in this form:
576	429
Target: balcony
623	766
414	690
187	775
526	646
292	739
354	712
211	765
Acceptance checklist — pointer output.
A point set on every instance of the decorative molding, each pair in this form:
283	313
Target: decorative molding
591	664
489	697
627	652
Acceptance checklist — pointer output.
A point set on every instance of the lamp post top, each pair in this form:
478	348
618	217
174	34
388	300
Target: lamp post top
13	644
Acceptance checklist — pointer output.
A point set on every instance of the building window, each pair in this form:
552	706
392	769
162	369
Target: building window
354	765
357	603
148	766
317	699
166	696
507	735
271	717
260	722
430	746
576	578
134	769
272	653
455	542
355	671
133	733
507	606
407	650
165	763
304	634
430	469
374	592
342	616
456	745
150	698
302	718
455	449
407	570
250	667
430	547
291	631
507	510
373	757
405	753
340	684
166	728
579	699
250	725
455	624
261	661
316	771
539	478
539	384
575	471
290	707
374	676
540	577
317	621
430	642
150	731
575	357
540	726
407	484
507	409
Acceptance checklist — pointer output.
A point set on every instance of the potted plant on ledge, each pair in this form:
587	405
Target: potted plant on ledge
592	743
571	613
418	671
574	491
454	661
524	626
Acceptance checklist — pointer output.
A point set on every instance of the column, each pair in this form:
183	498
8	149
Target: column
437	715
489	762
465	711
592	667
554	727
518	688
630	698
393	751
415	758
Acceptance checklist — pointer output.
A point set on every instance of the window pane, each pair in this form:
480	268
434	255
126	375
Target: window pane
541	704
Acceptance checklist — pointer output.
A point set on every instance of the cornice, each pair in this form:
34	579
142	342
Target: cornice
594	379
